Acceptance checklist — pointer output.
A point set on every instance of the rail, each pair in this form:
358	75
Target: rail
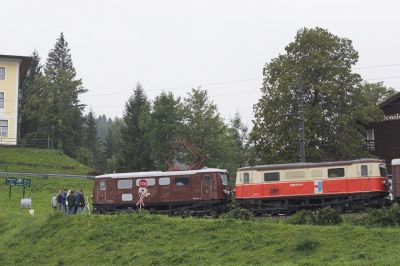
4	173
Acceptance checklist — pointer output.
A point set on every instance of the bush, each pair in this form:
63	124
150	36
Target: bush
380	217
239	213
326	216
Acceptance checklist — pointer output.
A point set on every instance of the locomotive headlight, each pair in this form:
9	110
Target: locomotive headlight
227	192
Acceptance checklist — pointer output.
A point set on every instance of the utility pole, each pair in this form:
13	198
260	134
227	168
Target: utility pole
300	108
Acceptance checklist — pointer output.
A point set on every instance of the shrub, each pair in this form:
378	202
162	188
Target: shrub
326	216
380	217
300	217
239	213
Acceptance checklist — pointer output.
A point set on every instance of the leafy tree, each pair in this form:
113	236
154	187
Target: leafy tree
136	153
162	130
239	134
333	98
203	126
63	106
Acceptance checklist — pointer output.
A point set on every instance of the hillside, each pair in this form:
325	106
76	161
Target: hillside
160	240
39	161
50	238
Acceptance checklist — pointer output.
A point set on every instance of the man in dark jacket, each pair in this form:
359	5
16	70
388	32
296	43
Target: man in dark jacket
70	202
81	202
63	199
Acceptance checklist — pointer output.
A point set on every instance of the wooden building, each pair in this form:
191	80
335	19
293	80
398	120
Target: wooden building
383	139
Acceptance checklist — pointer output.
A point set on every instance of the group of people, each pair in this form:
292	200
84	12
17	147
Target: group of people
70	202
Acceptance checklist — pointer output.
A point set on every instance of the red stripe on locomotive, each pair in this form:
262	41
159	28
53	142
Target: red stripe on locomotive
307	188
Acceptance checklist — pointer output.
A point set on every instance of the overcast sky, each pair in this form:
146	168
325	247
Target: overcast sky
176	45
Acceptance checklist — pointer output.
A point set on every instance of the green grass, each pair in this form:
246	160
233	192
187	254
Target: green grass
39	161
51	238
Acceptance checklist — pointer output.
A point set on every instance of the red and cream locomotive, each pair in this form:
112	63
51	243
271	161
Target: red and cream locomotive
284	188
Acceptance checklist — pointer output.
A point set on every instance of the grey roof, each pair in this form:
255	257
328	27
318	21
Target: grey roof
160	174
307	165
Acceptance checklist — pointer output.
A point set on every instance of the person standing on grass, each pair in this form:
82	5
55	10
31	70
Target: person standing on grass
70	202
59	200
81	201
63	197
76	199
54	202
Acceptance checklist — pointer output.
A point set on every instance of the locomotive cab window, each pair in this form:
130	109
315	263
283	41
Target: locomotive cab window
224	179
269	177
181	181
246	178
124	184
103	185
382	170
335	172
364	170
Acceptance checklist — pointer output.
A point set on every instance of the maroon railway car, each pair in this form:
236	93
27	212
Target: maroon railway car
192	192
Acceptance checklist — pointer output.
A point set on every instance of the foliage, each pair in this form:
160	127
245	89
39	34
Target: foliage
239	213
326	216
135	151
337	106
163	127
379	217
32	100
50	105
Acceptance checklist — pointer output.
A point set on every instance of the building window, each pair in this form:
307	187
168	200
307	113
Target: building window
1	99
124	184
371	139
246	178
268	177
181	181
336	172
3	128
2	73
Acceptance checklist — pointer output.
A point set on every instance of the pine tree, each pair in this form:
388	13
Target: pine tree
63	90
32	101
162	132
136	153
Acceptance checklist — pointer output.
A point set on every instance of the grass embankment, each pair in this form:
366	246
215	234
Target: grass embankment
161	240
50	238
39	161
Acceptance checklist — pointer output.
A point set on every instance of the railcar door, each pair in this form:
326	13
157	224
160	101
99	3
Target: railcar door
365	173
101	191
207	187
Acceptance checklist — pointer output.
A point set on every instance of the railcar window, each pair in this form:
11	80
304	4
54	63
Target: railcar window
103	185
164	181
382	170
181	181
268	177
150	181
246	178
364	170
124	184
336	172
224	179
